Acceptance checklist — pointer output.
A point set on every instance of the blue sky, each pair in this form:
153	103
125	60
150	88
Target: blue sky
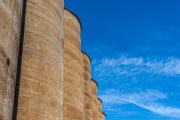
135	50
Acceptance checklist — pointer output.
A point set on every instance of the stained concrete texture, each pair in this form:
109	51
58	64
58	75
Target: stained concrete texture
10	24
72	107
41	82
51	50
86	88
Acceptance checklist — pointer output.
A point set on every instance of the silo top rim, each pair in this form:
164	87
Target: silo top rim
75	16
87	55
100	100
94	81
104	114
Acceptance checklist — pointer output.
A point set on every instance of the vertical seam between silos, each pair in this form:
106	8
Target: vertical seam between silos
18	74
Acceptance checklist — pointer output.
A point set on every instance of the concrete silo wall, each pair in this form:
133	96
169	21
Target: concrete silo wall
103	116
41	82
94	100
72	108
86	88
10	24
40	92
100	109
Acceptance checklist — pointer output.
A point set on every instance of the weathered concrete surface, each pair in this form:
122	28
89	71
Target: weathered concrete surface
10	24
94	100
72	109
41	87
86	88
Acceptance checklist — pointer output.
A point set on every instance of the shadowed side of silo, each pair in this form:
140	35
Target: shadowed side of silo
95	112
41	87
86	87
72	109
10	24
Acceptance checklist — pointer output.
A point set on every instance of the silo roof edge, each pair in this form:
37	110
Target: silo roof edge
87	55
100	100
75	16
95	82
104	114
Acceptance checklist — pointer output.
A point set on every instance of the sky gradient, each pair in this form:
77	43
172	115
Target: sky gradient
135	50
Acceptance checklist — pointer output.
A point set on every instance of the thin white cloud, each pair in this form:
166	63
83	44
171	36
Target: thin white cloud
161	109
115	97
119	69
147	100
124	65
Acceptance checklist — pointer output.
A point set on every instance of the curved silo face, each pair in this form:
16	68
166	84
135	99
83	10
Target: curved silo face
72	107
86	88
41	81
94	100
103	116
10	24
100	109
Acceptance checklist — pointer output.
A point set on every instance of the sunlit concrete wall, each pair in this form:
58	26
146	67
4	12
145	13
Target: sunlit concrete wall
51	51
41	83
95	112
10	24
72	67
86	87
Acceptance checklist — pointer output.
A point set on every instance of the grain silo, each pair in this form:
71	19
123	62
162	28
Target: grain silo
100	109
10	25
103	116
86	87
41	81
72	109
94	86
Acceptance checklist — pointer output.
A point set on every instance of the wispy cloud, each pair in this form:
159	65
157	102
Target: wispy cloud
147	99
161	109
128	66
113	96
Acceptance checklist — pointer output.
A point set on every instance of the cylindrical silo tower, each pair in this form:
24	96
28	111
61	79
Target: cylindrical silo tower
94	86
10	24
41	81
86	87
100	109
72	107
103	116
